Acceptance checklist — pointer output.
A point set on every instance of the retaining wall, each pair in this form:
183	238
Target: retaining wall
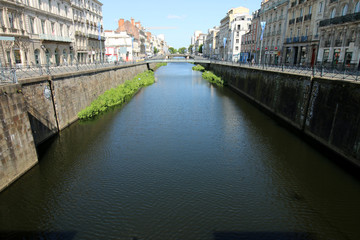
38	108
327	110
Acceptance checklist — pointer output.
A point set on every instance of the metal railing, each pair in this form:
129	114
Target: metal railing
12	75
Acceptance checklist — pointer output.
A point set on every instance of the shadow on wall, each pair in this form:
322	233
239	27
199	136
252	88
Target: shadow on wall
37	235
263	236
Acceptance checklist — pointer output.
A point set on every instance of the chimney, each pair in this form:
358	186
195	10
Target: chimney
121	22
132	22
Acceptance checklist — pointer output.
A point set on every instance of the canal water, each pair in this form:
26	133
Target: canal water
182	160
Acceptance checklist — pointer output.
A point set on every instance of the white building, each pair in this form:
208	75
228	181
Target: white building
118	46
240	25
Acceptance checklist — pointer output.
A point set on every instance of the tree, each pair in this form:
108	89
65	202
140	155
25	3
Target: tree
156	50
172	50
200	48
182	50
190	49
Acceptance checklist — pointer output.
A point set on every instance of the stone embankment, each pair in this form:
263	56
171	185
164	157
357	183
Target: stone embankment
38	108
326	110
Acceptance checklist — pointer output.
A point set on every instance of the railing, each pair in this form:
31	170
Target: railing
291	21
54	38
339	20
288	40
307	17
304	38
296	39
299	19
11	75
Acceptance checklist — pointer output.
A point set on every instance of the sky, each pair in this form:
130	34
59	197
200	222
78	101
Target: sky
177	20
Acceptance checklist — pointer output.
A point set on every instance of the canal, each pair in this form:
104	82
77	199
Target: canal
182	160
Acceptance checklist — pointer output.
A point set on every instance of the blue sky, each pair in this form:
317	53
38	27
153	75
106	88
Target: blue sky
177	20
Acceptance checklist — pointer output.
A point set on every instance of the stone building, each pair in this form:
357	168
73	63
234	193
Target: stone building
210	43
340	34
88	25
50	32
302	38
228	24
238	27
274	14
249	39
36	32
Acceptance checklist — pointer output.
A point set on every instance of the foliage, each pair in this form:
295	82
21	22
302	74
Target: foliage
182	50
156	50
190	48
201	48
172	50
160	65
211	77
118	95
198	68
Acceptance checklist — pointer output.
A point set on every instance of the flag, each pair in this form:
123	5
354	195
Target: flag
262	29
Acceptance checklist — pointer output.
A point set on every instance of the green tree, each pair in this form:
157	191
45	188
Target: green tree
190	48
182	50
172	50
200	48
156	50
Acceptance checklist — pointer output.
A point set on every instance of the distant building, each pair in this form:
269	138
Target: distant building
118	46
250	39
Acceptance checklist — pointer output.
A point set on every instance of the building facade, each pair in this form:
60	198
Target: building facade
302	38
340	34
118	47
239	26
274	14
250	39
50	32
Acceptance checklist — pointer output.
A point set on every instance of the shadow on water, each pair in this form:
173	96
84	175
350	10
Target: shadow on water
263	236
29	235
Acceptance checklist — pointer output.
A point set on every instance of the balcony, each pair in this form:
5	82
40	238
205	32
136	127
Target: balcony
296	39
307	17
288	40
293	4
291	21
339	20
304	38
338	43
54	38
95	36
299	19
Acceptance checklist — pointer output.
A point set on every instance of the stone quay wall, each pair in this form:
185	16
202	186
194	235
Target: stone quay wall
38	108
325	110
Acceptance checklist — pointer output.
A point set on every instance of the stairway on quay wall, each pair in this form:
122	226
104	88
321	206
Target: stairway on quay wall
38	108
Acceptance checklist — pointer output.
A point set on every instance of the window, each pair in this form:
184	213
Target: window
333	12
357	7
344	11
301	12
298	32
326	55
306	30
320	7
238	27
58	8
66	11
20	22
1	18
237	40
43	27
31	22
61	29
49	5
11	19
310	8
39	4
237	48
53	28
